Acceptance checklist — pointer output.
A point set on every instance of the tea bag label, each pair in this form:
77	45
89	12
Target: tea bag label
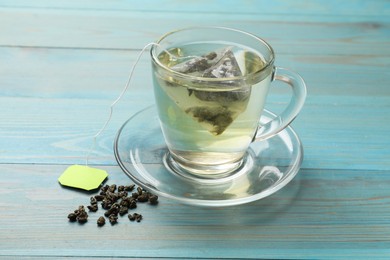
82	177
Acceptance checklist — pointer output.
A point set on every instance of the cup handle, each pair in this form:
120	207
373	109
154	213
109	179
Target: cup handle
281	121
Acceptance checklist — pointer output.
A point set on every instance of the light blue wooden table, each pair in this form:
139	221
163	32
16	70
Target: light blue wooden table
62	63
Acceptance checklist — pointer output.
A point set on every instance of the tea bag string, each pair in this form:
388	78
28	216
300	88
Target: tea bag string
93	145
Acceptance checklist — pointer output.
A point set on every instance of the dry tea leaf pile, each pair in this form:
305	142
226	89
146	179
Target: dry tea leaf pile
116	201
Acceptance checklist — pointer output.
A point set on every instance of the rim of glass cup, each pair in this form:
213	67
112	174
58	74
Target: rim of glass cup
155	59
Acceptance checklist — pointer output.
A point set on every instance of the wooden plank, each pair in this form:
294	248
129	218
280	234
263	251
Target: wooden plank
102	74
116	30
70	73
322	213
289	8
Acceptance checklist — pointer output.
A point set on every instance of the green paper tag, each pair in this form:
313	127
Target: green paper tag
82	177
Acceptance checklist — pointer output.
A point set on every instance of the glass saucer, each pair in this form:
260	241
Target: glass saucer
140	150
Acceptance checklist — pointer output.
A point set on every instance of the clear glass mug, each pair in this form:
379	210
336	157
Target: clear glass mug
210	86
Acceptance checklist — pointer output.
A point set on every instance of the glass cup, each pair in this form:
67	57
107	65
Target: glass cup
210	86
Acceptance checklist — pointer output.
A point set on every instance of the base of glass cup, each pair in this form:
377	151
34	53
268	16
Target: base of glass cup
208	173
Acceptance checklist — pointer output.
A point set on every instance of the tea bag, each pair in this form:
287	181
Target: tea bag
195	64
214	109
225	67
214	119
